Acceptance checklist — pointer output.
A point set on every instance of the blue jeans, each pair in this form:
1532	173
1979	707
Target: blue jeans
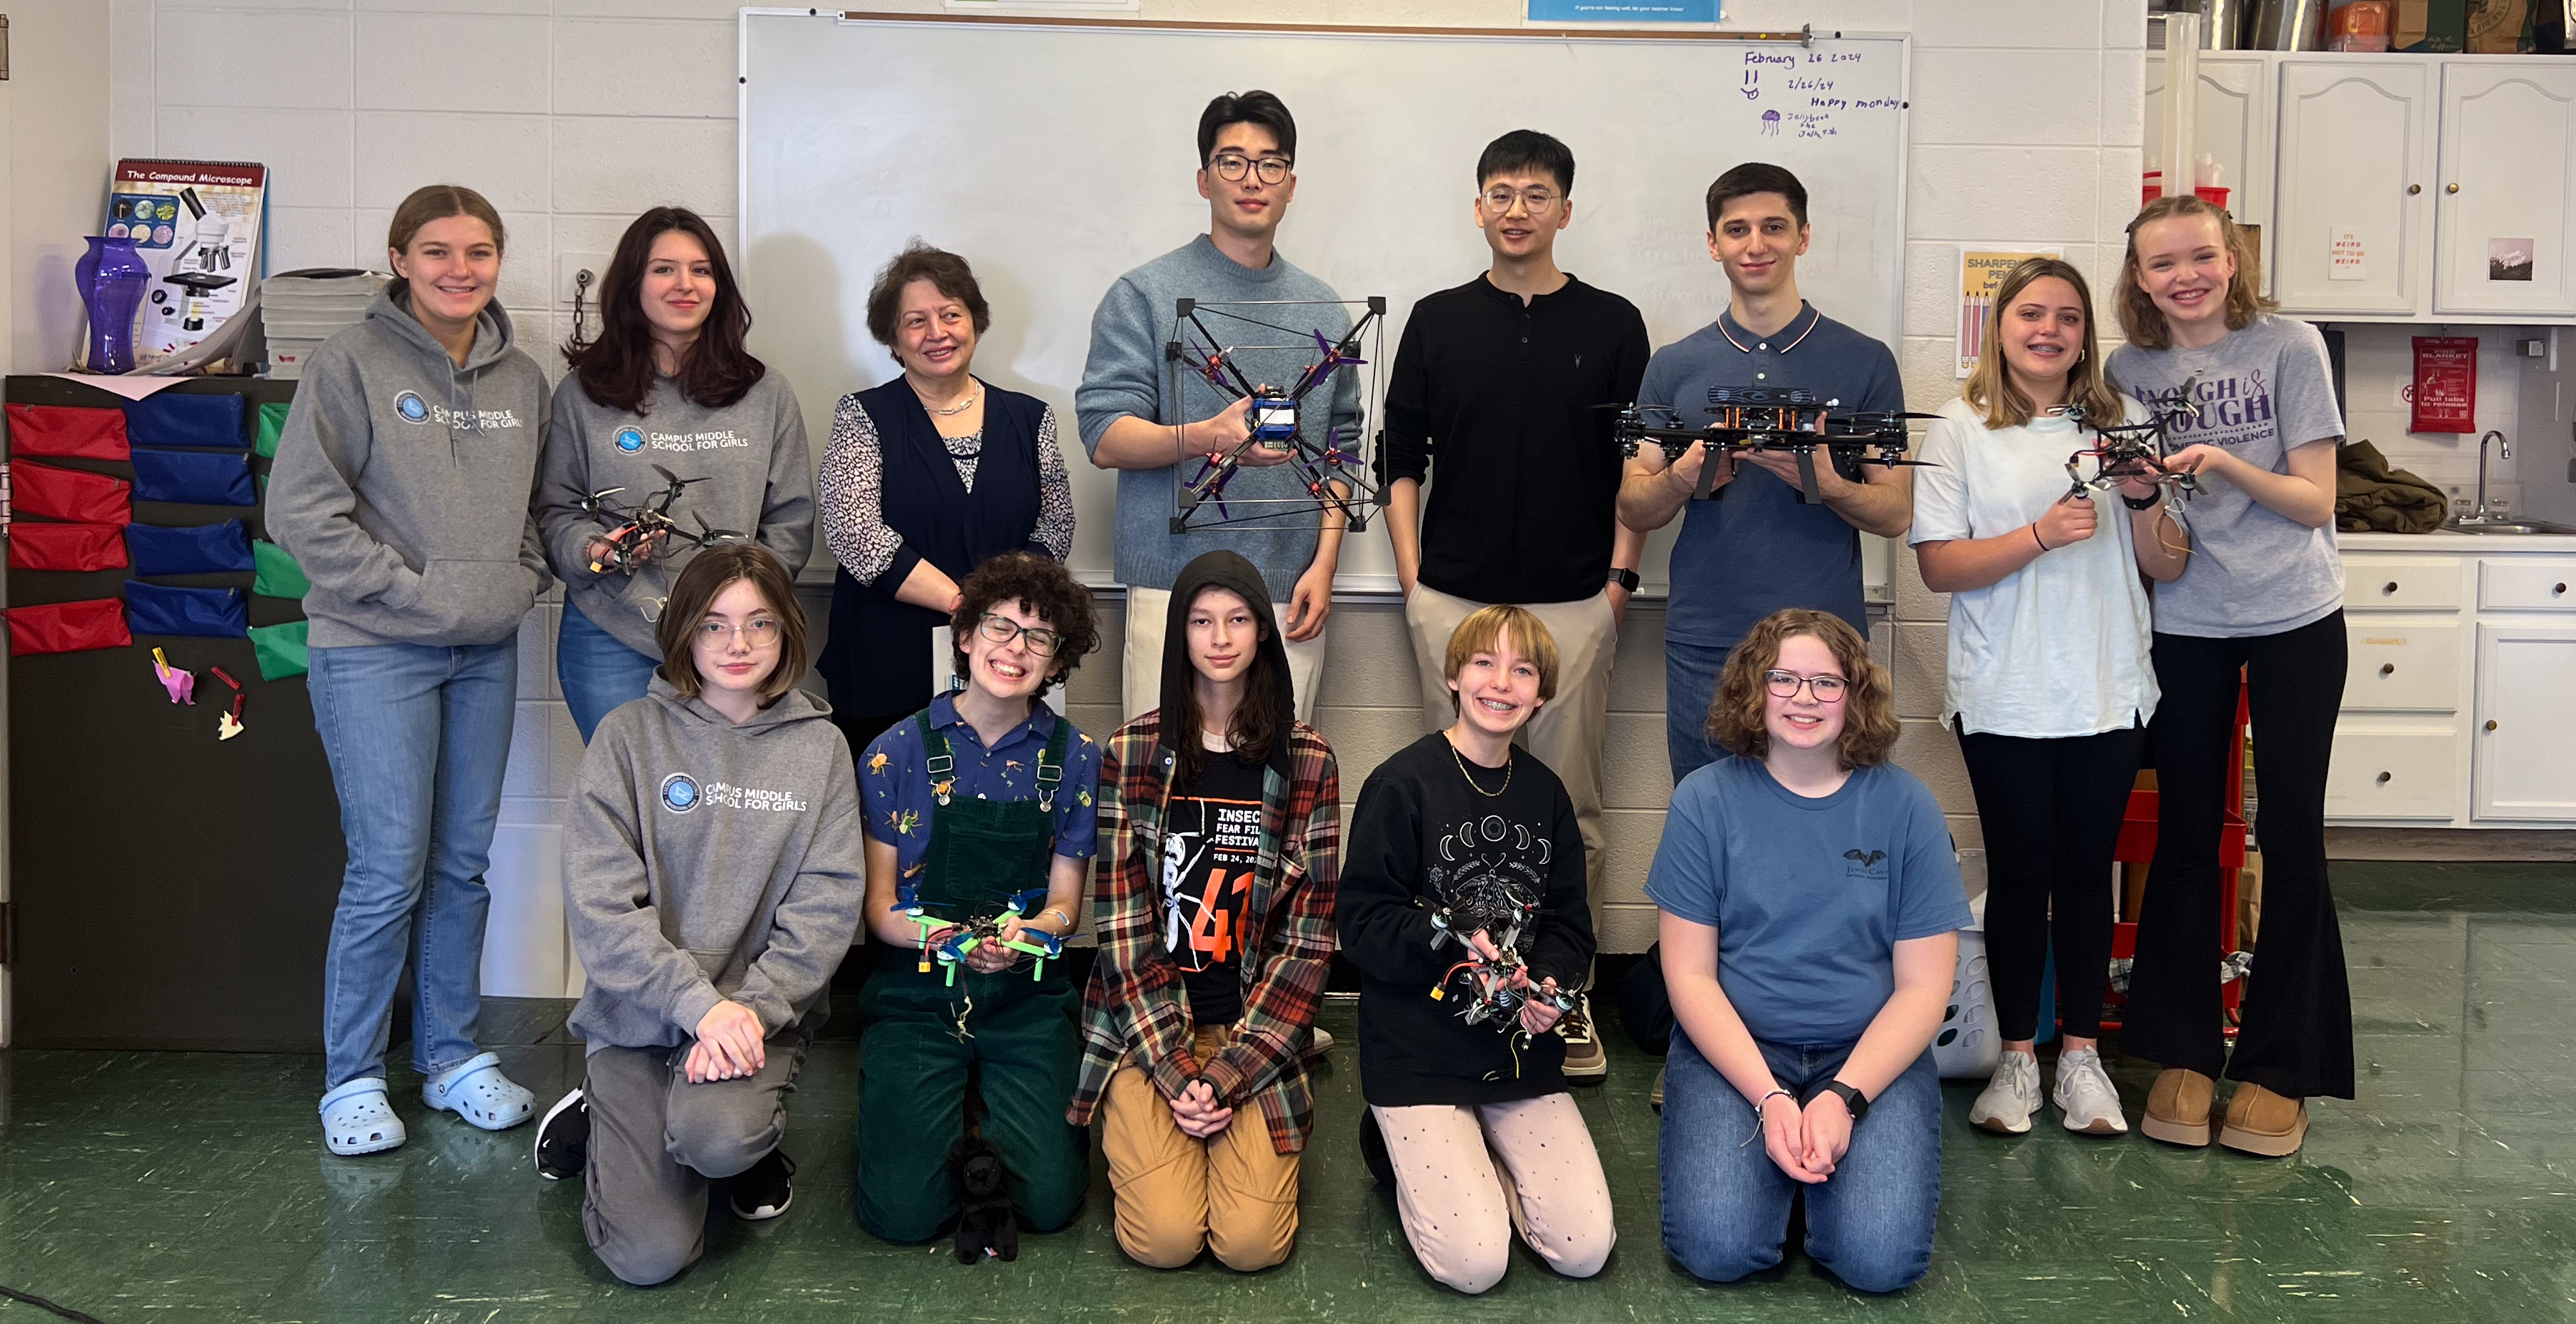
1726	1204
1690	681
597	670
418	738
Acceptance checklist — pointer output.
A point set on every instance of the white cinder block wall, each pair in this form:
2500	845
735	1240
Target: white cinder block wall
572	115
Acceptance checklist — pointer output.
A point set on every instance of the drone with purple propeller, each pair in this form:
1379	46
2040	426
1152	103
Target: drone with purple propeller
1333	470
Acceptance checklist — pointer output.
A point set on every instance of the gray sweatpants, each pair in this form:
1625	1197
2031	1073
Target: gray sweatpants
656	1140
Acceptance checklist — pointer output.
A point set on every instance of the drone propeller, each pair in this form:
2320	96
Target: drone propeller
708	535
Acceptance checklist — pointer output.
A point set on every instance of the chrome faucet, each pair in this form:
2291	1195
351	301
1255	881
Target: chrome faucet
2504	451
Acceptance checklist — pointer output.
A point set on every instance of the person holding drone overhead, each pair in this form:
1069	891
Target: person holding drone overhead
666	395
980	830
1462	904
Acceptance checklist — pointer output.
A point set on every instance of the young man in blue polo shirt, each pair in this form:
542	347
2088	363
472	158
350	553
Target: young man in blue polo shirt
1752	547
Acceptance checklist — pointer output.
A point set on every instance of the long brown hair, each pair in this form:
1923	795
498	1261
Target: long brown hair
617	369
709	574
2142	321
1990	388
1256	723
1869	706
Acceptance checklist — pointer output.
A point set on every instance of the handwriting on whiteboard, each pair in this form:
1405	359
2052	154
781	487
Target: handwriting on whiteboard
1807	90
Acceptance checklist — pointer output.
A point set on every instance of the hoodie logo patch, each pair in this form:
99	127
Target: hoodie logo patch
630	439
679	792
411	406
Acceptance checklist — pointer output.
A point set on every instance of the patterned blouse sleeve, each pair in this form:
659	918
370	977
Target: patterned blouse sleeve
1055	493
852	494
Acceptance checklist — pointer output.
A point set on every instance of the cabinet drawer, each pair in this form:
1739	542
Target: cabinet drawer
2402	668
2400	774
2528	584
2415	583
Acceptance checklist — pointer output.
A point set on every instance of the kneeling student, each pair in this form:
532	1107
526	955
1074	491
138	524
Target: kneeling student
1223	814
1479	1135
712	884
1810	914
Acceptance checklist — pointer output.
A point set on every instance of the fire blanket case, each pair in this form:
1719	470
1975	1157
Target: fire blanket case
68	627
76	495
66	430
204	549
73	547
202	613
201	422
194	478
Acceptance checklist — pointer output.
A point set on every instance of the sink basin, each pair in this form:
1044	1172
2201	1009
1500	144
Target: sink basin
2514	527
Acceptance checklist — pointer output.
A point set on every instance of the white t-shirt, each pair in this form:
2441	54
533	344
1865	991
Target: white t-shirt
2059	647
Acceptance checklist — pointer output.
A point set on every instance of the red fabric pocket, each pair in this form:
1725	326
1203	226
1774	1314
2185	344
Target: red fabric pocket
89	434
76	495
65	547
68	627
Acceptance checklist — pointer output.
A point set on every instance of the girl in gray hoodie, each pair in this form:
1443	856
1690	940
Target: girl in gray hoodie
402	485
712	880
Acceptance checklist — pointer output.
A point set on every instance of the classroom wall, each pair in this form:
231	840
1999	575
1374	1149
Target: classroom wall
573	115
2379	363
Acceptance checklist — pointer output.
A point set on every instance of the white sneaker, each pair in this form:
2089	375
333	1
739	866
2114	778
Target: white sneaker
2085	1095
2010	1098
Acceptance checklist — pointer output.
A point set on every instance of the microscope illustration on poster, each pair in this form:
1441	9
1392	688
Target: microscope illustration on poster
196	224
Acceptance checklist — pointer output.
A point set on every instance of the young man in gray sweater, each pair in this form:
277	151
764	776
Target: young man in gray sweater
1156	426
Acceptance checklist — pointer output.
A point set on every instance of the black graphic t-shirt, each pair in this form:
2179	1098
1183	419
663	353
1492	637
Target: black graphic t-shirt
1211	841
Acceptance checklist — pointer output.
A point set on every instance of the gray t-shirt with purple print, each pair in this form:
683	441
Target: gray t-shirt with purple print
2260	392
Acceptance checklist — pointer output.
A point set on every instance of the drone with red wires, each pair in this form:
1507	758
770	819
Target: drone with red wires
1785	420
1507	915
1330	469
643	533
2135	450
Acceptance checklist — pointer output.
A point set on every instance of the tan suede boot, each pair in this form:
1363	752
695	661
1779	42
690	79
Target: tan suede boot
2264	1123
2179	1107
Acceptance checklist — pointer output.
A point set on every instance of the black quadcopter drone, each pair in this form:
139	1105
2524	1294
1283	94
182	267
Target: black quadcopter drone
643	533
2135	450
1784	420
1327	469
1505	913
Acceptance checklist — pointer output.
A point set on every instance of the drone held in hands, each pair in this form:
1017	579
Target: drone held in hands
643	533
1507	915
2136	450
1330	469
1783	420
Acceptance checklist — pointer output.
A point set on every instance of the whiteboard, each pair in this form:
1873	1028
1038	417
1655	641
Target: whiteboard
1057	154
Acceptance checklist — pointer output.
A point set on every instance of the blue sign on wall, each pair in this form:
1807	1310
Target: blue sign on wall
1623	11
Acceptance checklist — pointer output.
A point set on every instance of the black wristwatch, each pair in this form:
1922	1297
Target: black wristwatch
1625	578
1854	1100
2147	502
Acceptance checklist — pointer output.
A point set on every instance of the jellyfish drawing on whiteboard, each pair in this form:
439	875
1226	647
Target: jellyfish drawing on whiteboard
1770	124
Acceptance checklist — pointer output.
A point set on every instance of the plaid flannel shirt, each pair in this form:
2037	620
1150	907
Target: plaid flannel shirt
1137	1010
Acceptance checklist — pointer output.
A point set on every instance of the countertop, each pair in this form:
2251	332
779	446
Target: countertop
2456	543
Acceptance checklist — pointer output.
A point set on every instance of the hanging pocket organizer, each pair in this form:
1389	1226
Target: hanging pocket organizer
75	547
68	627
202	549
282	649
279	576
272	425
194	478
205	613
202	422
69	494
88	434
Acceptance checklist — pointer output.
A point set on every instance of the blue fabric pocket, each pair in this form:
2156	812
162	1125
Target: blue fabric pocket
203	422
194	478
205	613
203	549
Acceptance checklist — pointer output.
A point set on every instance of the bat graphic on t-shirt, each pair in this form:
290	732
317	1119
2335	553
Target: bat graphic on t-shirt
1866	858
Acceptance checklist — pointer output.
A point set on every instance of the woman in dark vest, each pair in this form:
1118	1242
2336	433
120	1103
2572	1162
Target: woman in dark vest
925	478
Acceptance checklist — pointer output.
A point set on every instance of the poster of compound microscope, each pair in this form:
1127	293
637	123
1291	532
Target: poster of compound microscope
197	225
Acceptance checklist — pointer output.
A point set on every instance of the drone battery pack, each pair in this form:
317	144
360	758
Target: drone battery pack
1272	419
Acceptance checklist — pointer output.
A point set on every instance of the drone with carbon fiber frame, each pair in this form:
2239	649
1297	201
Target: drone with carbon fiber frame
1330	472
643	533
1783	420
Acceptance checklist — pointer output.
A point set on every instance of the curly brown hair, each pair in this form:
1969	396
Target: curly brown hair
1044	590
1869	705
947	273
708	575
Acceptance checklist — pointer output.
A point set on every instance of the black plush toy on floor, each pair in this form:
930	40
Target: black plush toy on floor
984	1222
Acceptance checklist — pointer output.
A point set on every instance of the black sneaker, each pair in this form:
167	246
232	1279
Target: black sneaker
762	1190
563	1138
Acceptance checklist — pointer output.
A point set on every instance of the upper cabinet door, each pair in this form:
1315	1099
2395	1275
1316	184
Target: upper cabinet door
2352	229
2506	213
2233	127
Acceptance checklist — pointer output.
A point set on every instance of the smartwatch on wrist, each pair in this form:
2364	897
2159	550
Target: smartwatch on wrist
1853	1100
1625	578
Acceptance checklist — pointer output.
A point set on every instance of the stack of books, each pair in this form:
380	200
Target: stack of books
298	310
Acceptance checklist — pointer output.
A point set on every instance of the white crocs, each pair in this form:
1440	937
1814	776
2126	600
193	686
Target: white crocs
358	1119
476	1090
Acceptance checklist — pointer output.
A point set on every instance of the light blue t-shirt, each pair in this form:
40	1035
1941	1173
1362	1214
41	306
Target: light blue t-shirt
1809	896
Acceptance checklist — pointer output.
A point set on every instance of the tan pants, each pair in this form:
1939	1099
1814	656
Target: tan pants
1141	678
1466	1179
1232	1193
1567	733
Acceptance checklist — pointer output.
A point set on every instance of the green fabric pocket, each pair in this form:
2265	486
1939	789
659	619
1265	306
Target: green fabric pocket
282	651
272	425
278	576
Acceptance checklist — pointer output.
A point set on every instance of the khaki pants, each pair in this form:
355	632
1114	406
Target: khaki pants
1467	1179
1567	733
1149	610
1232	1193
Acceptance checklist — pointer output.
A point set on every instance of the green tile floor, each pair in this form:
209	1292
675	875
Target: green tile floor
152	1186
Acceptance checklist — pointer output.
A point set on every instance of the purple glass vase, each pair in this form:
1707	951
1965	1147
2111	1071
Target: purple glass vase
111	277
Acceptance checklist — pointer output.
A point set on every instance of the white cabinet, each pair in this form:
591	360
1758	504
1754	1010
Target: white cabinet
2524	767
2353	226
2234	126
2507	168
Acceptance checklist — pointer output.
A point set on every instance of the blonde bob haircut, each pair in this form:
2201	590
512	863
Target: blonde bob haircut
1869	708
1990	388
708	575
2142	321
1486	629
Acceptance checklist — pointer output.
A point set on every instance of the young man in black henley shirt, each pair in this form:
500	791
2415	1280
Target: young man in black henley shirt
1497	381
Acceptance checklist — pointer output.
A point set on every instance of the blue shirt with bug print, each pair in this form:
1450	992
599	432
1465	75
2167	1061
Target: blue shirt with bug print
1809	896
898	792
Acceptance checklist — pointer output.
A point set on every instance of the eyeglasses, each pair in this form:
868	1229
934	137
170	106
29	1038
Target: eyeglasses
1002	630
1233	166
1538	200
761	633
1784	685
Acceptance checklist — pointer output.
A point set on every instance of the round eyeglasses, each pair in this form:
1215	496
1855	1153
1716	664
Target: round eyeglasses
760	633
1002	630
1538	200
1234	166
